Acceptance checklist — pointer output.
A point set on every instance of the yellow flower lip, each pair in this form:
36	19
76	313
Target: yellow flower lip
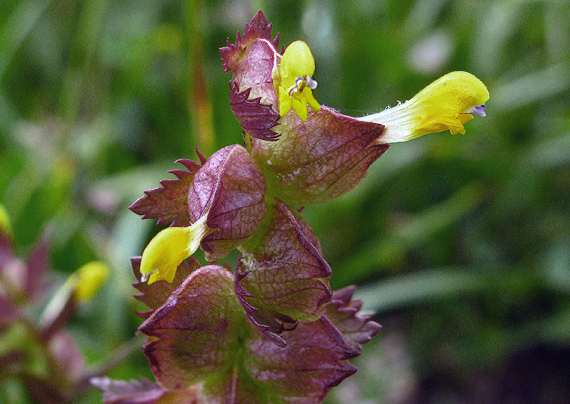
167	250
446	104
294	84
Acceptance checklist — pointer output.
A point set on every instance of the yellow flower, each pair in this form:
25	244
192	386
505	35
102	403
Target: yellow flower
5	221
81	286
446	104
296	86
169	248
88	279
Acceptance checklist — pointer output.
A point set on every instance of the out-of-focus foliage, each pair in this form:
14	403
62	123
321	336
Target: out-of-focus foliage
460	242
35	348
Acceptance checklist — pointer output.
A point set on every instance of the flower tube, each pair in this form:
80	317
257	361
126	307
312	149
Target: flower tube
446	104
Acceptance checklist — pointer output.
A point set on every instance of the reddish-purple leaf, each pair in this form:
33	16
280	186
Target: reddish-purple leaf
281	275
201	335
196	332
8	312
38	266
253	61
255	118
142	392
168	203
25	279
68	358
343	312
11	362
155	294
230	190
44	390
320	159
5	249
258	28
313	362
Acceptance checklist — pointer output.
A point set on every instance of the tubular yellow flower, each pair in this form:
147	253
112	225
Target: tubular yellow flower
88	280
446	104
296	86
169	248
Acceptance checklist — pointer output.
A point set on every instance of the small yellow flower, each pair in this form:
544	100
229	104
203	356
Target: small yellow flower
88	280
169	248
80	287
5	221
296	85
446	104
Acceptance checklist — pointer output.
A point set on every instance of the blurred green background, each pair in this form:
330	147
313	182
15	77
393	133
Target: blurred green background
461	243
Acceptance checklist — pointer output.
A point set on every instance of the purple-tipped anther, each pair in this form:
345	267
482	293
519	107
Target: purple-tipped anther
477	110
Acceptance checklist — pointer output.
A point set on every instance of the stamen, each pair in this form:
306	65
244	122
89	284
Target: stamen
476	110
309	82
300	83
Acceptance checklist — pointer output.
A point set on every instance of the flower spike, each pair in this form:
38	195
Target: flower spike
169	248
296	85
446	104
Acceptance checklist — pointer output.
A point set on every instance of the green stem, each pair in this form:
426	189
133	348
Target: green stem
81	60
199	103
